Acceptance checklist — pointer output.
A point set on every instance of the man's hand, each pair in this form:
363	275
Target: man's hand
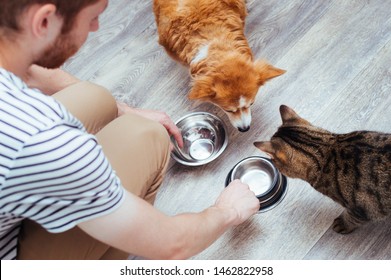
238	197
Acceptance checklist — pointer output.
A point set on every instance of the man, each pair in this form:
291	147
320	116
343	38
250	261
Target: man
66	193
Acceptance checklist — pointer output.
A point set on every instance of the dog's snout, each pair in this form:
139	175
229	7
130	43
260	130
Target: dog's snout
241	119
244	129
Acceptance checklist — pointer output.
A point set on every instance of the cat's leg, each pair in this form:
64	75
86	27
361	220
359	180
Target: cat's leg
348	221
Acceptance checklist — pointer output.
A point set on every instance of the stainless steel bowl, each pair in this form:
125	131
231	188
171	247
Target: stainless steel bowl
204	136
263	178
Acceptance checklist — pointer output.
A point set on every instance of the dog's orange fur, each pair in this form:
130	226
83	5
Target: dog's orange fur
226	73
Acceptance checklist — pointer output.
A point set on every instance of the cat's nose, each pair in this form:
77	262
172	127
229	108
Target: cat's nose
247	128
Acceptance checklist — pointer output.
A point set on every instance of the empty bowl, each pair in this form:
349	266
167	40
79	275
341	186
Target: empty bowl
204	136
263	178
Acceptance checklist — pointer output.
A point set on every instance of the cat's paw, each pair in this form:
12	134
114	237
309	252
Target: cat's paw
341	227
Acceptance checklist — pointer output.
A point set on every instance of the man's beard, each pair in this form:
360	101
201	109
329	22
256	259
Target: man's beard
55	55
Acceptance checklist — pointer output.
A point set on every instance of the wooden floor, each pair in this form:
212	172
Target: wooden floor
338	60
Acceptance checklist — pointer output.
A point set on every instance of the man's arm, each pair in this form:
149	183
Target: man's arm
49	81
140	229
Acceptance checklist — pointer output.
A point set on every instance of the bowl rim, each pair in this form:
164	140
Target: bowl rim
276	172
213	156
278	197
280	189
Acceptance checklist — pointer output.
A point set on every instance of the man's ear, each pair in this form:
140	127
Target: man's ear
45	21
202	89
267	71
266	147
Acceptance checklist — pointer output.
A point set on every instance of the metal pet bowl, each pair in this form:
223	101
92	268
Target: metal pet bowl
263	178
204	136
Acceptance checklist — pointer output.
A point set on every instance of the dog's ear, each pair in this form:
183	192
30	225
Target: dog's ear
202	89
266	146
267	71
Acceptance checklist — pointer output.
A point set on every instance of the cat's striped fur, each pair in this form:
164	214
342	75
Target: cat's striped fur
353	169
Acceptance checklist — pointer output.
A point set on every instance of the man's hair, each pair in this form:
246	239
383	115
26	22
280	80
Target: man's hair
11	11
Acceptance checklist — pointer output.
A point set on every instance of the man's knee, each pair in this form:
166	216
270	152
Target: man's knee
139	150
92	104
103	96
152	134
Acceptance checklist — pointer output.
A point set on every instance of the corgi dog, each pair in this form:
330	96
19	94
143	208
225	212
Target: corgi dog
208	37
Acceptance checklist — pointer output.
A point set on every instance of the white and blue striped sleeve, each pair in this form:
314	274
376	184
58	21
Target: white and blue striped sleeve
60	178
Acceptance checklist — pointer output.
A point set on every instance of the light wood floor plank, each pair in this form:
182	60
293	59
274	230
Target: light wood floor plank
337	56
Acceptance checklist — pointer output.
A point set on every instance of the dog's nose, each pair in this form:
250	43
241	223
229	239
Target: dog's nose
244	129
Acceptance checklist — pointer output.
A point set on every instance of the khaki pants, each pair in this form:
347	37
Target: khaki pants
138	150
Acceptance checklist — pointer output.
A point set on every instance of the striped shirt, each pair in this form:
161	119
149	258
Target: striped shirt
51	170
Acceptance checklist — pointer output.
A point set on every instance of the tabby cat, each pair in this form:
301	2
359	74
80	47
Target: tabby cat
353	169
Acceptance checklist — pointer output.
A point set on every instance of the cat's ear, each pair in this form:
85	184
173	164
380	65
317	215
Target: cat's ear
265	147
288	115
275	150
